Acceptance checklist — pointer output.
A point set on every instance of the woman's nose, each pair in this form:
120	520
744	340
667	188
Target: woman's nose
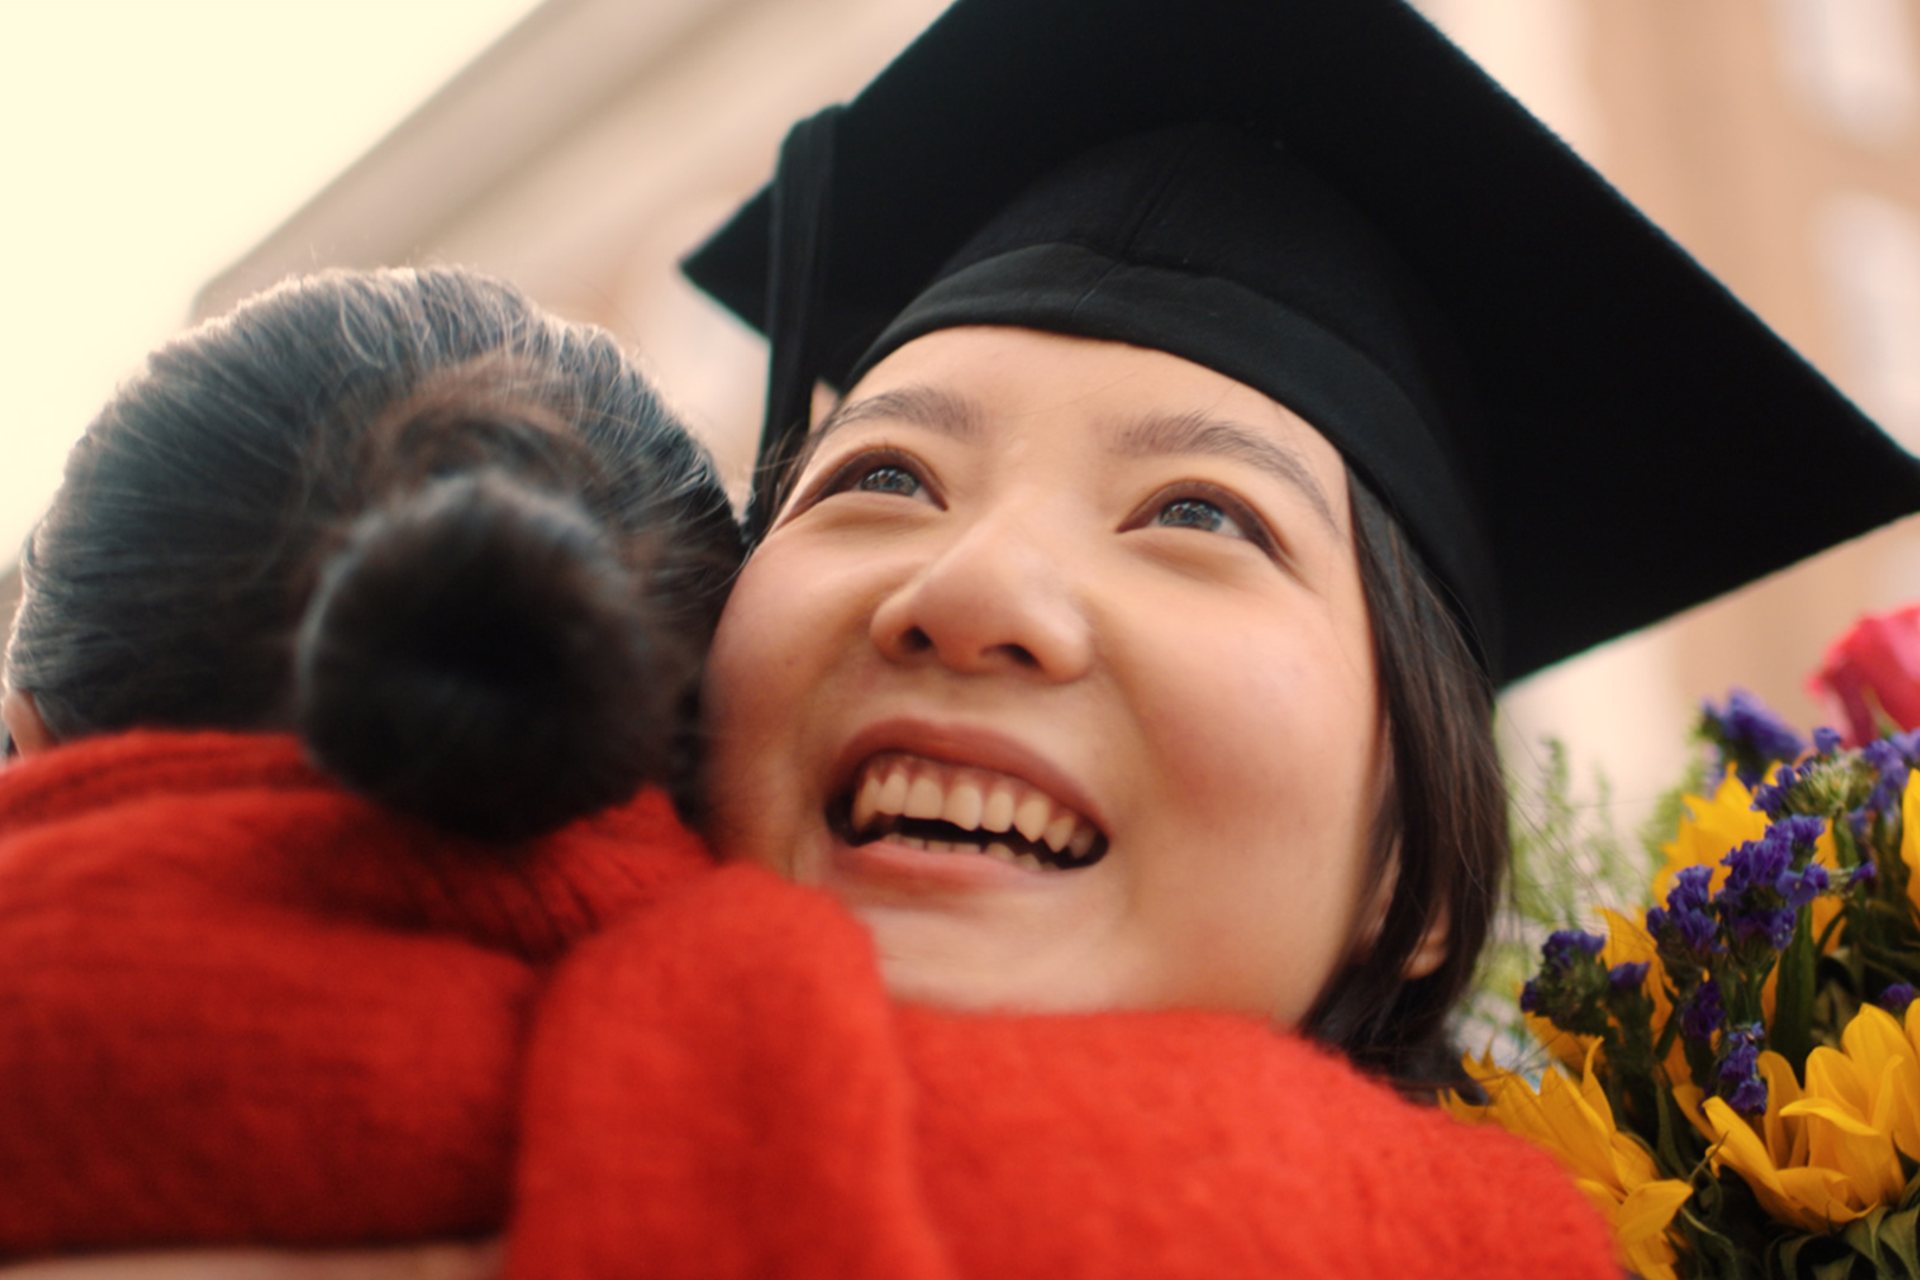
998	599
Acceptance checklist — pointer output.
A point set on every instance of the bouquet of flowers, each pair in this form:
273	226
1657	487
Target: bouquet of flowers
1734	1074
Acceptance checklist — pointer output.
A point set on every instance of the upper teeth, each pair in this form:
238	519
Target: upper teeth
898	786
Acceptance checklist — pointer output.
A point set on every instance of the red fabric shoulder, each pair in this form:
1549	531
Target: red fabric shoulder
242	1004
722	1087
247	822
83	776
1189	1144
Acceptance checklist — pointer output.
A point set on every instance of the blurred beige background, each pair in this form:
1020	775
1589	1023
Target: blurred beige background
594	140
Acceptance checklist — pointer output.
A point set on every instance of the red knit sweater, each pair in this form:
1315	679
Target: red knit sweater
237	1004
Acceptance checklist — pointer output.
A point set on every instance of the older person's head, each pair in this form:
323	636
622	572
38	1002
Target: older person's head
456	542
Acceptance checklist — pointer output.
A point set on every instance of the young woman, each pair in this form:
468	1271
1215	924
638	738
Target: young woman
1231	403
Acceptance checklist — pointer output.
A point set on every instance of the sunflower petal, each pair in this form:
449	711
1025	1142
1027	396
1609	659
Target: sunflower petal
1834	1114
1648	1209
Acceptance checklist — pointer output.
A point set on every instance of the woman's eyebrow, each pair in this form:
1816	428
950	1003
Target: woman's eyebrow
930	407
1175	433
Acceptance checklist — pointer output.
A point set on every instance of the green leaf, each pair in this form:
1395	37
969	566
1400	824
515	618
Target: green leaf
1861	1238
1818	1256
1900	1236
1838	1269
1715	1253
1785	1257
1666	1148
1792	1033
1879	1245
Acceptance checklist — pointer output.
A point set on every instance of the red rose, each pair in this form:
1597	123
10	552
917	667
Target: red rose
1872	674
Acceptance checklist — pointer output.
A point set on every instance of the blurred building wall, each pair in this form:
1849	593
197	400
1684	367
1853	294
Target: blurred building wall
1779	140
585	153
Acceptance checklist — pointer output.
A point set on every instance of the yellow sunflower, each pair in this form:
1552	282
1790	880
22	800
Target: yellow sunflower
1828	1153
1574	1123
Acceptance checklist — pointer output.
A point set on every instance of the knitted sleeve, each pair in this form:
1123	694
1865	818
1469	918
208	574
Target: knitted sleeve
241	1005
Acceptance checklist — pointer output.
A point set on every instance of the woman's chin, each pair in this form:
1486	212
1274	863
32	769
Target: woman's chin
947	965
941	987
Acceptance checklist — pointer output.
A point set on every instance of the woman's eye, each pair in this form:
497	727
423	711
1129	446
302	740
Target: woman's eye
889	472
1208	508
883	471
887	478
1201	514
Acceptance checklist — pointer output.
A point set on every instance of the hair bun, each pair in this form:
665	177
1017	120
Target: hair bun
477	655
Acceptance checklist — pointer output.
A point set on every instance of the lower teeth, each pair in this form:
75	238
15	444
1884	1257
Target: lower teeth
998	850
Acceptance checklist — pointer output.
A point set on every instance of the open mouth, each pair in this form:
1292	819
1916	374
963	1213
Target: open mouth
927	804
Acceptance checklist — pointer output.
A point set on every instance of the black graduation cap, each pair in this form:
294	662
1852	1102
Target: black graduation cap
1581	430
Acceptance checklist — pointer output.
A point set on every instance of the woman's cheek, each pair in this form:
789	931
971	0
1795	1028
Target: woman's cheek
741	700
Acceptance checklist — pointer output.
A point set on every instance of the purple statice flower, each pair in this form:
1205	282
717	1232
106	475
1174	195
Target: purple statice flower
1774	925
1628	976
1748	720
1699	932
1751	917
1809	782
1866	873
1756	863
1749	1097
1692	889
1740	1081
1891	760
1703	1014
1563	946
1771	798
1687	921
1827	741
1886	793
1802	886
1800	832
1883	754
1740	1051
1571	984
1896	998
1764	889
1749	736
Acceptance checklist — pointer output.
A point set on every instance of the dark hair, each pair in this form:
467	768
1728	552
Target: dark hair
1441	831
458	544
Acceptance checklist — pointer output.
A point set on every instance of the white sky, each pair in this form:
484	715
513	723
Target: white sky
147	143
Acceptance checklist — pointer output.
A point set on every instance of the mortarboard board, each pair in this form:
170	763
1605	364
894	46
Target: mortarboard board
1580	429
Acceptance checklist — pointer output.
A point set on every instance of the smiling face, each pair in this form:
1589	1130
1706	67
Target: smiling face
1056	668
